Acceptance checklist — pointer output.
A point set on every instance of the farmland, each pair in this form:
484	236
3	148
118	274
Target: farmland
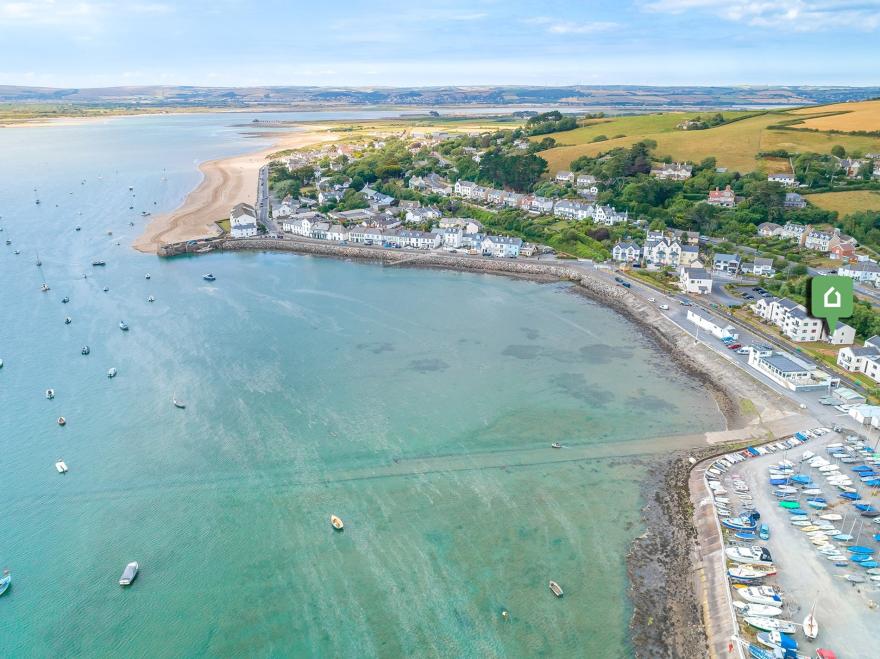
735	145
861	116
847	202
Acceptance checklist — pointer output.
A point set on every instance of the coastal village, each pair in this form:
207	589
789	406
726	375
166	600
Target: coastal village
427	209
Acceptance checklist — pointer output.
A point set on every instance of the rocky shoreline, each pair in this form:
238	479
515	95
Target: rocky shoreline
666	620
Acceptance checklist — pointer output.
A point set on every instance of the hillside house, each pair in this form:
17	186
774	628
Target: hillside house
864	272
564	176
626	252
672	171
819	241
695	280
794	200
769	229
728	263
796	232
725	198
788	180
585	180
662	252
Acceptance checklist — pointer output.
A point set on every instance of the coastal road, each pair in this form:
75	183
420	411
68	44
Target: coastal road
262	206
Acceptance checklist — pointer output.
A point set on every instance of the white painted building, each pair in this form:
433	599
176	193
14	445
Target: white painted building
716	328
243	221
695	280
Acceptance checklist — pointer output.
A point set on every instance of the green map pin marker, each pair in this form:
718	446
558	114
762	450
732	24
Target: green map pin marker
831	298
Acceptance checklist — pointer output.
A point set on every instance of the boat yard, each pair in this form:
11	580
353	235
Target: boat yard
815	492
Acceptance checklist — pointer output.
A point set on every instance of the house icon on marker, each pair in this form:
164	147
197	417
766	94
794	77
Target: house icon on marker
832	301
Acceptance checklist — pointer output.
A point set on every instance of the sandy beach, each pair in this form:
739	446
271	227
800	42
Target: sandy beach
225	182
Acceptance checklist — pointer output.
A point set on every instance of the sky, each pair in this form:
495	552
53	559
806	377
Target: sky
94	43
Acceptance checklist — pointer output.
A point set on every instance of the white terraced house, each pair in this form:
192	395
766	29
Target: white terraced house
864	271
419	215
662	252
819	241
608	216
796	232
800	327
542	204
243	221
626	252
573	210
501	246
862	359
337	233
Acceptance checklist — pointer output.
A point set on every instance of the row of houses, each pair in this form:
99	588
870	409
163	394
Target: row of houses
795	323
579	180
456	233
862	359
832	241
571	209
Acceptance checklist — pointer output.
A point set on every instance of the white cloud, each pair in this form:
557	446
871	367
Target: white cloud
798	15
78	14
555	26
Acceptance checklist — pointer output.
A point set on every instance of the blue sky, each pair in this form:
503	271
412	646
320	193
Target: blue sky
466	42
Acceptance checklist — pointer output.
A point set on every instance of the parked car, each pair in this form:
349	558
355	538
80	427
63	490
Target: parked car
685	303
664	307
650	299
743	351
734	346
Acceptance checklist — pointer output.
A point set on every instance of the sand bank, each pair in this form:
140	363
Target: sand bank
225	182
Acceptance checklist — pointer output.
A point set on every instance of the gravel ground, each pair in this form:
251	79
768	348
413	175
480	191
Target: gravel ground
848	614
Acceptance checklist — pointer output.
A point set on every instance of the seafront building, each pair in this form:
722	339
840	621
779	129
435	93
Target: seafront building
243	221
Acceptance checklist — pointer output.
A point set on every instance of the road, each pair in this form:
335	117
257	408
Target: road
262	206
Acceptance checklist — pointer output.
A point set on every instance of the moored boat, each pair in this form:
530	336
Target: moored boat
179	404
771	624
99	263
85	350
208	277
61	466
112	373
129	574
123	325
555	445
556	589
336	523
62	421
50	394
760	595
811	625
5	582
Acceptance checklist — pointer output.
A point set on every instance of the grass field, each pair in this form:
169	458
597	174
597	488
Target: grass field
734	145
847	202
864	115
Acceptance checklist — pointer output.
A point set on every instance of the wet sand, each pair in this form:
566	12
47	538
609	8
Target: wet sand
225	182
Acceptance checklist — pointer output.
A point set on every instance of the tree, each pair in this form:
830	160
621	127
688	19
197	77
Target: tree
838	151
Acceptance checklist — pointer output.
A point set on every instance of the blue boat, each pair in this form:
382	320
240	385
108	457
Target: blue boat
5	582
778	481
801	436
859	549
800	478
874	482
869	564
852	496
862	558
864	507
764	532
747	536
843	537
739	524
757	652
818	505
862	468
877	537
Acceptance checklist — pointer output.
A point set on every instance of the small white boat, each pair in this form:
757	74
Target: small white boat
111	373
771	624
556	589
151	299
831	517
44	287
61	467
129	574
760	610
123	326
760	595
811	625
208	277
336	523
147	276
178	403
50	394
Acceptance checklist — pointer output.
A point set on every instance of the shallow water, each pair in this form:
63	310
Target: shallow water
418	405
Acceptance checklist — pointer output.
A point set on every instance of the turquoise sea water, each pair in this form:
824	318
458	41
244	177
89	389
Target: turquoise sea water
417	405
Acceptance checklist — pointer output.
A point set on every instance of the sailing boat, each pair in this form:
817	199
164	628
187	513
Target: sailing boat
178	403
811	625
36	197
39	262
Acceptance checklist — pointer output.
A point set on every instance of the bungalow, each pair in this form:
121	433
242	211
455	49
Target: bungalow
788	180
243	221
789	371
501	246
865	271
768	229
724	198
674	171
695	280
728	263
564	176
715	328
626	252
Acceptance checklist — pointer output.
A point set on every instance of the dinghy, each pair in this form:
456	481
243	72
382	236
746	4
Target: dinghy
336	523
759	610
556	589
760	595
771	624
